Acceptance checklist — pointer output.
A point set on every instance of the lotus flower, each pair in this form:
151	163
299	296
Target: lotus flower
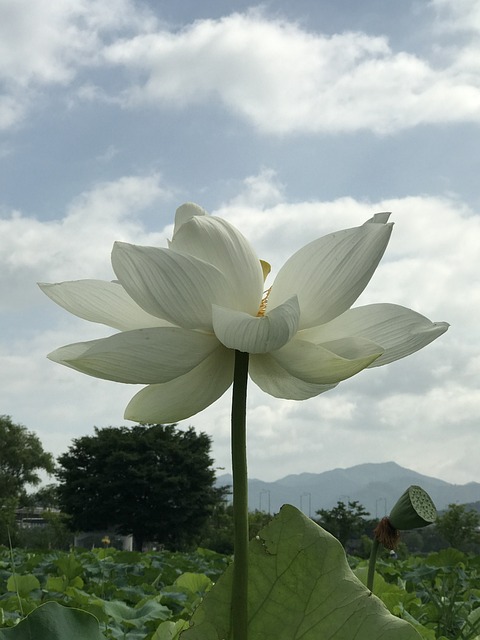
182	311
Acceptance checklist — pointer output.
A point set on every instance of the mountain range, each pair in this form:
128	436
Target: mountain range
377	486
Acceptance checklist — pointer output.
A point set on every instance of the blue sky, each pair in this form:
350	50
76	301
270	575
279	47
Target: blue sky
290	120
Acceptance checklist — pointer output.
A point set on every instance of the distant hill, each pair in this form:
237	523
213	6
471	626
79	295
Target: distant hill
376	486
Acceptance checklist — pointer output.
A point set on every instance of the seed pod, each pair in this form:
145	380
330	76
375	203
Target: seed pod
413	509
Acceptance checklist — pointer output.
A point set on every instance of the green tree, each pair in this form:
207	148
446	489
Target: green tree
21	458
46	497
154	482
344	521
459	526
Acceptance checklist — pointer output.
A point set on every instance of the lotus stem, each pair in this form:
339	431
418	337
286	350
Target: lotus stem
385	534
371	564
239	610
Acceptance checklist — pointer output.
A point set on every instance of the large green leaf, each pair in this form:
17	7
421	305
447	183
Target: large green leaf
136	616
69	566
300	587
52	621
195	582
170	630
23	585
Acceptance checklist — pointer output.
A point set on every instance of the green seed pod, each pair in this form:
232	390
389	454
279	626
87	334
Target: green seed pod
414	509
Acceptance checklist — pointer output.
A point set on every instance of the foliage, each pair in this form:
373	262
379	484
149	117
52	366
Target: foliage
459	526
130	593
149	596
46	497
54	534
439	594
51	621
153	482
218	531
302	587
343	521
21	458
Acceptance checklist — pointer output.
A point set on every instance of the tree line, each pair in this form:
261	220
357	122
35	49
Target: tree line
157	483
458	527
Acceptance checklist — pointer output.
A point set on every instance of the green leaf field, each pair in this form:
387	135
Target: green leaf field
109	594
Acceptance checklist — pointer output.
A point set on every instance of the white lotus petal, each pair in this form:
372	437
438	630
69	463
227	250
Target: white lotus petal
217	242
144	356
185	396
267	373
400	331
380	218
172	285
330	273
67	355
328	363
185	212
101	301
252	334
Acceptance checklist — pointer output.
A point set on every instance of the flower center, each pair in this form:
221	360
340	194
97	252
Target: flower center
263	305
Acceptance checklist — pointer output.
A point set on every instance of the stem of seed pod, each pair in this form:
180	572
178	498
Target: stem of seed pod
371	564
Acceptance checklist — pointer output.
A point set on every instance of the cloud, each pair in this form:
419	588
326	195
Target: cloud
284	79
272	73
431	260
421	411
457	15
45	43
78	244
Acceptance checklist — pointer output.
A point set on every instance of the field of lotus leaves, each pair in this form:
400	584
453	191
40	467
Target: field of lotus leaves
151	596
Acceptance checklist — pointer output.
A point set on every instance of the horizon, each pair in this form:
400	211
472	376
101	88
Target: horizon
362	464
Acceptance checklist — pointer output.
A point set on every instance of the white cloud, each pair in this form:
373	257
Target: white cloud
461	15
78	244
44	43
421	411
413	410
431	262
284	79
273	73
12	110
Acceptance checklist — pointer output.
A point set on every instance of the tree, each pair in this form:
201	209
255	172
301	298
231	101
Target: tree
46	497
459	526
21	458
343	521
153	482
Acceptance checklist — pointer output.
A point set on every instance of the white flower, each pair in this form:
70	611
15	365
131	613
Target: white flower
183	310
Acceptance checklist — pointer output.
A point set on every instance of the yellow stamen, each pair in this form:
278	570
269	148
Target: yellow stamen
263	304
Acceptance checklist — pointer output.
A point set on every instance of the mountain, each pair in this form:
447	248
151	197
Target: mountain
376	486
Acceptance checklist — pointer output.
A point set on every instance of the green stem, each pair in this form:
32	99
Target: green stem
240	498
371	564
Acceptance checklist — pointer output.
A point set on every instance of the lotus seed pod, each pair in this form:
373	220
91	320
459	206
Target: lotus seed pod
413	509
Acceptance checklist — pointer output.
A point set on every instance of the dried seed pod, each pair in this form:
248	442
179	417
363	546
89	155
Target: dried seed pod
386	534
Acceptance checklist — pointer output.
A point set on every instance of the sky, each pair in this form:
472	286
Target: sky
290	120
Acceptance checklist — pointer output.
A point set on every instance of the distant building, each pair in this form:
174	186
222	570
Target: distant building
30	517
